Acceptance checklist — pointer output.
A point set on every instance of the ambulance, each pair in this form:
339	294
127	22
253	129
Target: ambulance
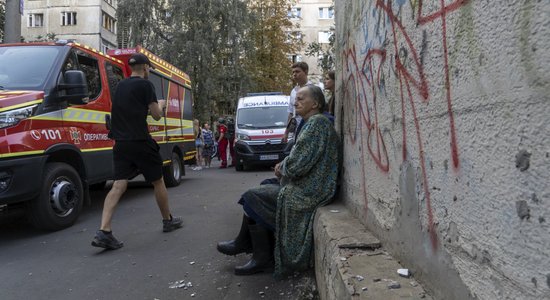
261	120
55	103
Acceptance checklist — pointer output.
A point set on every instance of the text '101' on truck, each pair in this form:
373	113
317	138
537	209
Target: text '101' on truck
55	103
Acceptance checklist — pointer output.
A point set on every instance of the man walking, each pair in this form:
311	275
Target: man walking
299	76
134	148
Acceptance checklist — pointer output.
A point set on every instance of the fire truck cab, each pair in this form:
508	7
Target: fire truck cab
55	103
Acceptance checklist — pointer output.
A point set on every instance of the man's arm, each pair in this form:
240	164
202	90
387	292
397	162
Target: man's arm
285	137
157	109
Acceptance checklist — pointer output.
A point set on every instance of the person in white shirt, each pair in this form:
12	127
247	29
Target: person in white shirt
299	76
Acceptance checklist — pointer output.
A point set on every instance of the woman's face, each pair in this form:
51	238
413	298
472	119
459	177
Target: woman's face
207	126
329	83
305	104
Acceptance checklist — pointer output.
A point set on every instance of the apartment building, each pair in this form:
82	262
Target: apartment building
314	21
89	22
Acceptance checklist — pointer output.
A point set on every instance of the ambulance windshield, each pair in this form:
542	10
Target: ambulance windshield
26	67
262	117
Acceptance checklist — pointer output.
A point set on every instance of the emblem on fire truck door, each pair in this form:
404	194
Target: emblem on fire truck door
75	135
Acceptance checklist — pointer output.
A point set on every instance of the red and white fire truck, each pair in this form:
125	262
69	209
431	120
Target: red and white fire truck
55	103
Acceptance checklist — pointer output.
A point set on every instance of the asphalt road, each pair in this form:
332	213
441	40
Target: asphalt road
63	265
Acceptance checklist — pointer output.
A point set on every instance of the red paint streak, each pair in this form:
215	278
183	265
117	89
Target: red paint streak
441	13
454	145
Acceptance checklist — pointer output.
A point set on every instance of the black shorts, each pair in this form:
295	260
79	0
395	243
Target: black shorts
132	157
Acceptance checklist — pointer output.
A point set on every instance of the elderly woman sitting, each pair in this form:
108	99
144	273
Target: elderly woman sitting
308	181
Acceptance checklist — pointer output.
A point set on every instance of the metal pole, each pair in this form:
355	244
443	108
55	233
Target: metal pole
12	26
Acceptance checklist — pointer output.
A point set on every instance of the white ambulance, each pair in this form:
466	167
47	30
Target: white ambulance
260	124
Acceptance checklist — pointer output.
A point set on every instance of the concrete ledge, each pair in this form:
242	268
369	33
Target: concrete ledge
350	263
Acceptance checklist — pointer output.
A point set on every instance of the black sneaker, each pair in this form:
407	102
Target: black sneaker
172	224
106	240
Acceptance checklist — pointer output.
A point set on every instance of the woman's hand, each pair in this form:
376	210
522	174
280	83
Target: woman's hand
278	170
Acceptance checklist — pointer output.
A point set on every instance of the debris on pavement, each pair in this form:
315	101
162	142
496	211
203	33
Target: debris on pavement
364	289
191	262
404	272
414	283
376	280
181	284
394	285
359	277
334	211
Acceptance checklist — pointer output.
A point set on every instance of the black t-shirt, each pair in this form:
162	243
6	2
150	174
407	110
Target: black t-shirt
129	109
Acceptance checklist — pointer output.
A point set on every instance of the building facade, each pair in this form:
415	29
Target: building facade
314	22
89	22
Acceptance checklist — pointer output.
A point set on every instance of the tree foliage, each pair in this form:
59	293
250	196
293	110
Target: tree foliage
268	64
219	43
2	19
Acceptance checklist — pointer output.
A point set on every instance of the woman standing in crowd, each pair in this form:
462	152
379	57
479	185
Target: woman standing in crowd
208	149
199	143
286	210
330	86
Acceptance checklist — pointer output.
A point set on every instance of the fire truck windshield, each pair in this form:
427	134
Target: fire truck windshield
26	67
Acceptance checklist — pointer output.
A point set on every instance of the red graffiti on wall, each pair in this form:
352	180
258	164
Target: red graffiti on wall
365	82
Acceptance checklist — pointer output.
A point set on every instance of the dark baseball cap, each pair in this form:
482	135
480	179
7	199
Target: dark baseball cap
139	59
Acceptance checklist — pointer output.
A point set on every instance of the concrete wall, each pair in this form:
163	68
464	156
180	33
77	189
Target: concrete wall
445	111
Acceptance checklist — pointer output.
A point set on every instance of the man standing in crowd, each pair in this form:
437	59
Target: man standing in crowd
299	77
134	148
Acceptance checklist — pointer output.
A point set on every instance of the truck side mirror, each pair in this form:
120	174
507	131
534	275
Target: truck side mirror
75	87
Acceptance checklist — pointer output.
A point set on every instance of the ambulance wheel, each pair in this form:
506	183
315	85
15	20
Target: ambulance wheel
173	172
60	200
239	166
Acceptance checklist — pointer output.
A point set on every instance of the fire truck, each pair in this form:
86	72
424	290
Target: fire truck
55	103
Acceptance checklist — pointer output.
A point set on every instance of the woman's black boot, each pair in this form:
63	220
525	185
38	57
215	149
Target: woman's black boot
262	257
240	244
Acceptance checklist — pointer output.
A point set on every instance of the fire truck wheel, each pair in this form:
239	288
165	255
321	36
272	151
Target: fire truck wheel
173	172
60	200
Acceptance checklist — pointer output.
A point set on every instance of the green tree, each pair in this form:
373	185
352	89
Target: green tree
228	47
268	64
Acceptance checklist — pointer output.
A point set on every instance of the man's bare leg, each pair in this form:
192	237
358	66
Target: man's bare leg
111	201
161	195
169	223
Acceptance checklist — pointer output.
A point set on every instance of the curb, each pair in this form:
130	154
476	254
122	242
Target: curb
350	262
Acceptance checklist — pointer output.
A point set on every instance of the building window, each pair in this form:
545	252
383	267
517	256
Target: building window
293	37
326	13
324	37
109	23
294	58
294	13
35	20
68	18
